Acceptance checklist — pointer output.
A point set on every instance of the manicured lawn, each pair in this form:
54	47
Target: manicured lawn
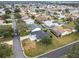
41	48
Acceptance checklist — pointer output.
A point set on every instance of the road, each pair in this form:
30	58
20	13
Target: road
17	50
59	52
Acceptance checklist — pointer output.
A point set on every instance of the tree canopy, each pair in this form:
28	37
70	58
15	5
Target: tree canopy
46	40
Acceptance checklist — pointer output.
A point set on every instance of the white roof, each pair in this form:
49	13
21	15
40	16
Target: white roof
25	17
29	21
61	16
33	37
48	23
1	22
36	29
66	32
55	24
2	12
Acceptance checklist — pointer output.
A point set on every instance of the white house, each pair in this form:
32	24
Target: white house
29	21
66	33
2	12
36	29
49	23
61	16
1	22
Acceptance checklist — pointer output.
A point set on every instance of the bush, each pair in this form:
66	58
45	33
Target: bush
8	21
74	52
6	31
17	10
46	40
17	16
5	51
6	16
33	17
77	24
7	11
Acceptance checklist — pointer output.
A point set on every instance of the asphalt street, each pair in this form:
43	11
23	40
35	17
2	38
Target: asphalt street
59	52
17	50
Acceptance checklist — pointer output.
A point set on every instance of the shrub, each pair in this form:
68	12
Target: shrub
5	51
46	40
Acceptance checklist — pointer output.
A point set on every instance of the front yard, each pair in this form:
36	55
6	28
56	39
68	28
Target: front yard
37	48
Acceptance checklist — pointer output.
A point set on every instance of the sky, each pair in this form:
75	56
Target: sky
39	0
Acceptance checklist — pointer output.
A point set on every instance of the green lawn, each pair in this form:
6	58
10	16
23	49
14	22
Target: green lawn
72	24
56	42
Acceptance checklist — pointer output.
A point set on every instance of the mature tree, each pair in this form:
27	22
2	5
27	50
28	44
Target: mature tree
6	31
55	13
21	25
33	17
46	40
74	52
77	24
17	10
67	10
17	16
5	51
7	11
6	16
36	10
69	19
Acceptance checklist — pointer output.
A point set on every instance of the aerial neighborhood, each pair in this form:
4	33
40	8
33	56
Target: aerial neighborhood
37	27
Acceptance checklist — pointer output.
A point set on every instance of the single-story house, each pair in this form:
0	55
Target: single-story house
61	16
29	21
1	20
2	12
24	17
38	35
50	24
34	27
60	31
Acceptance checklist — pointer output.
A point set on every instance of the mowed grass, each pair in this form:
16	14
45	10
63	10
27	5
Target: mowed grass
37	48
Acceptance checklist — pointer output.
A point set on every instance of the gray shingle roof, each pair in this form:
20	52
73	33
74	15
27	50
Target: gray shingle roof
40	34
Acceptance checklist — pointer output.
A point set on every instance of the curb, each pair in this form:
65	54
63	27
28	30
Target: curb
23	50
57	49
